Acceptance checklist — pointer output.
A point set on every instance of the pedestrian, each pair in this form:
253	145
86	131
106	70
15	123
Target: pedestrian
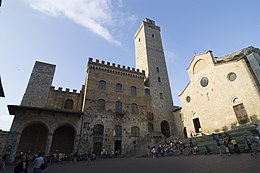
249	146
226	141
21	164
2	164
219	146
37	164
234	143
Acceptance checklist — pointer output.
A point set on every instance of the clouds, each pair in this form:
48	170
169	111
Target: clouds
100	16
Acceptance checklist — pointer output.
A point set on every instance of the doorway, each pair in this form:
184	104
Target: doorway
196	123
241	114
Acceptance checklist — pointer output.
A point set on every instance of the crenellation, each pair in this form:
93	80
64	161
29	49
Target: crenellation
67	90
59	88
118	65
74	91
102	62
128	68
108	63
123	66
113	64
90	59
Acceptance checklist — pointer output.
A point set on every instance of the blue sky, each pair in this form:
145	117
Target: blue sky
67	32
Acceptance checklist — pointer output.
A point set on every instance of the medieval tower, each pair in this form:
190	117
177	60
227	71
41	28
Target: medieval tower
150	58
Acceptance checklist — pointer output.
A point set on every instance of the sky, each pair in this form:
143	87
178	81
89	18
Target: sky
67	32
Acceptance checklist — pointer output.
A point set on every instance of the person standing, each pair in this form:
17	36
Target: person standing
234	143
37	164
2	165
249	145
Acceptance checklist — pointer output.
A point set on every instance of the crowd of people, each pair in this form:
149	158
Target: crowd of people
224	142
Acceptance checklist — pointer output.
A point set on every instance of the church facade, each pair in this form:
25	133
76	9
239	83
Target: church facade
117	108
223	92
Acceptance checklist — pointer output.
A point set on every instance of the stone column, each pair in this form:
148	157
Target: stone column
48	144
76	143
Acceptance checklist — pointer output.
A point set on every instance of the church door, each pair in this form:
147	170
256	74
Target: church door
241	114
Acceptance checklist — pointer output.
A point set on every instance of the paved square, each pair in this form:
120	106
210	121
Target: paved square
243	163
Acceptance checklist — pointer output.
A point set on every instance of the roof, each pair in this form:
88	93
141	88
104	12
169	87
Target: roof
237	55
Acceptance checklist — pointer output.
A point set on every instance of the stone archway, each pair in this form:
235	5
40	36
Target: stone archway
33	138
63	140
165	129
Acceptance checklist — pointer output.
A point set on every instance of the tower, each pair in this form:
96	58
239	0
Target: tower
150	58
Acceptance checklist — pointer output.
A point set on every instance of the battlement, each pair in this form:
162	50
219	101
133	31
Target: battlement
118	69
66	90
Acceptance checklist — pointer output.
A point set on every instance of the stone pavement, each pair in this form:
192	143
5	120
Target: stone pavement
243	163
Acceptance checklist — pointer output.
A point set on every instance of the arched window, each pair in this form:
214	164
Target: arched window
133	90
68	104
119	87
118	107
98	129
147	92
101	105
135	132
102	85
118	130
134	108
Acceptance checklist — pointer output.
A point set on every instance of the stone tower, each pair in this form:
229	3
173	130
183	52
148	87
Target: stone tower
150	57
37	91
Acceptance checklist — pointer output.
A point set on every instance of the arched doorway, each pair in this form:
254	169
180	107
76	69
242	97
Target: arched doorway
63	140
33	138
165	129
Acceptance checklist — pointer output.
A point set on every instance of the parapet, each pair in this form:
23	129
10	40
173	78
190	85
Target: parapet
66	90
119	69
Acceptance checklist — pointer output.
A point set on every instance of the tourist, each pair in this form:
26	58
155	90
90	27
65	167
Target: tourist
2	165
249	146
234	143
37	164
219	146
21	164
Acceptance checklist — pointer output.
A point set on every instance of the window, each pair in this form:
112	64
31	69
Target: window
150	127
118	130
101	105
159	79
102	85
134	108
68	104
152	35
161	95
232	76
119	87
157	69
139	39
204	81
135	131
98	129
118	107
133	90
147	92
188	99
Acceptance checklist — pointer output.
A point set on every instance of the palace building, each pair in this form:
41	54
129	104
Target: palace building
118	108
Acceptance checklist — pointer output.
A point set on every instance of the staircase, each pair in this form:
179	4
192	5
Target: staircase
238	133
